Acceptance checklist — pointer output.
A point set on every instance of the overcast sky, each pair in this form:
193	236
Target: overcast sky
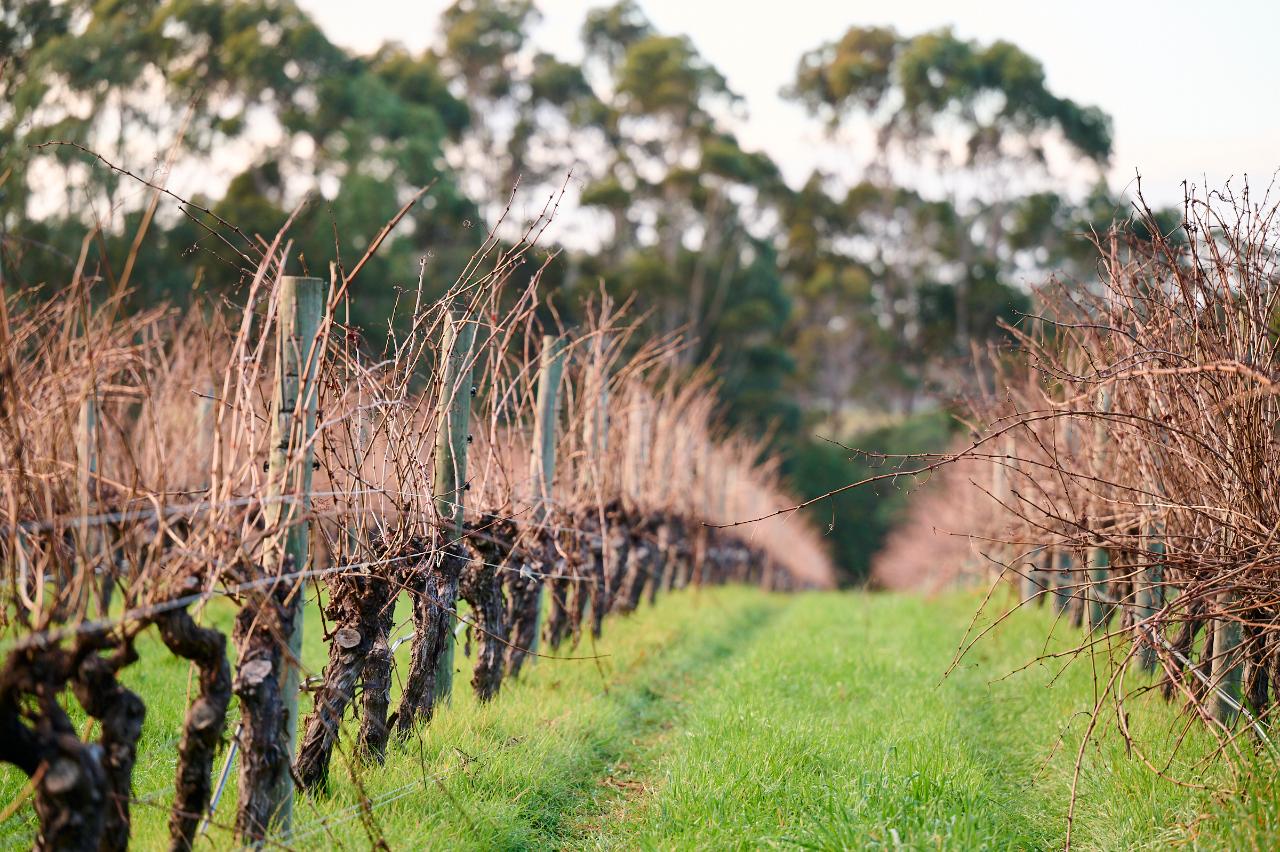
1193	87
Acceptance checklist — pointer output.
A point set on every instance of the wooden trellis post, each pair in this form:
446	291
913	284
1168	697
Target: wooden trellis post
88	538
451	455
1099	607
1226	665
1226	660
1149	597
1061	553
1062	585
1099	559
1031	583
595	426
299	350
638	440
542	453
1149	580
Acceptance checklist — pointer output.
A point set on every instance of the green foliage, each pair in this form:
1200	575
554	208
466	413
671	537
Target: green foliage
609	31
664	75
934	80
482	37
858	520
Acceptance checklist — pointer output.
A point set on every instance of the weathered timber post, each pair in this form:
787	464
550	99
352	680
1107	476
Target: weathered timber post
451	460
1062	585
1032	584
542	454
299	351
1099	560
595	427
1149	598
637	457
1226	665
619	543
88	537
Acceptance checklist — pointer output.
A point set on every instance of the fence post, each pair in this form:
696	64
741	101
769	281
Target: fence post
452	438
637	455
1062	585
542	454
1149	598
299	312
595	427
1099	560
1032	584
88	538
1226	665
1098	557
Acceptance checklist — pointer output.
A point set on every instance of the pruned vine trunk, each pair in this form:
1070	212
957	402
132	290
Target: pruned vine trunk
260	631
635	573
481	586
660	576
70	782
205	721
357	607
564	603
433	607
375	677
524	588
120	713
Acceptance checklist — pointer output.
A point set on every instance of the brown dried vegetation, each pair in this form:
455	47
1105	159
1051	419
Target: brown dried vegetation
133	488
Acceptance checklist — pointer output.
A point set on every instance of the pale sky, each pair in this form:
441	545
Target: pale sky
1193	87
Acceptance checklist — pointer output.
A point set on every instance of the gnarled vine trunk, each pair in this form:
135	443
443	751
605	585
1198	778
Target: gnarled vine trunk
71	791
433	607
358	607
120	713
260	638
481	586
205	721
524	589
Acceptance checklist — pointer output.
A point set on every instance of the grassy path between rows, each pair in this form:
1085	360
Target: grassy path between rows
729	718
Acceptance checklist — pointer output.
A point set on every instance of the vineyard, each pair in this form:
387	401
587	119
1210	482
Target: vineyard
511	425
514	483
254	492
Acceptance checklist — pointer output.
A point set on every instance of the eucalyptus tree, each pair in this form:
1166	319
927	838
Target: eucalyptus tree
977	128
691	207
259	110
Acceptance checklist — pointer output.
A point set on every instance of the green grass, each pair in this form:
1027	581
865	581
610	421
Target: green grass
729	718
